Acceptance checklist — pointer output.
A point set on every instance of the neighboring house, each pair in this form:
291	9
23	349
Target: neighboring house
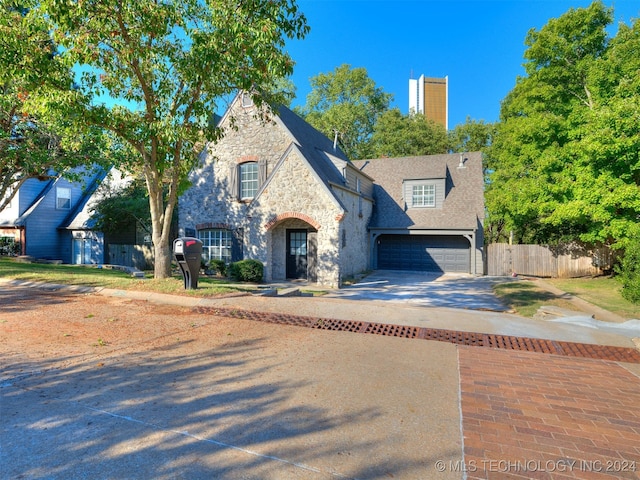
51	218
280	192
429	213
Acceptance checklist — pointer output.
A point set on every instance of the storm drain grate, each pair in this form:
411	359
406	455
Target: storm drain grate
505	342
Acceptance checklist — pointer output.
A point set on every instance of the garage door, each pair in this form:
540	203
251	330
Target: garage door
423	253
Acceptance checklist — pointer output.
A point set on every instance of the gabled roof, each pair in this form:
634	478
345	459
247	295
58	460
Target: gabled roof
80	216
21	220
463	206
317	149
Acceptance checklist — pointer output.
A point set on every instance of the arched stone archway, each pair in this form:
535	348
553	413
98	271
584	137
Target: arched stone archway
286	215
293	240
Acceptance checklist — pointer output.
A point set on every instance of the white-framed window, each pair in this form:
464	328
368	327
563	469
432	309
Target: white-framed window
216	244
423	195
248	180
63	198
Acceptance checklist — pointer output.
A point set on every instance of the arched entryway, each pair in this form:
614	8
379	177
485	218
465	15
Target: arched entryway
294	247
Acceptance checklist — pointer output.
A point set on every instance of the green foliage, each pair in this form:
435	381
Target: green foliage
37	137
9	247
398	135
219	266
248	270
564	162
123	209
629	271
471	136
346	101
163	68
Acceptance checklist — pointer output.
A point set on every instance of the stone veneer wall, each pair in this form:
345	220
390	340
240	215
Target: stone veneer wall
294	188
210	200
354	243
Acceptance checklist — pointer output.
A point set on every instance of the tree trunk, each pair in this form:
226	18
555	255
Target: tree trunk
162	253
159	226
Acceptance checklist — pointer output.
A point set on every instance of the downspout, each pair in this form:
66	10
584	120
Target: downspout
472	241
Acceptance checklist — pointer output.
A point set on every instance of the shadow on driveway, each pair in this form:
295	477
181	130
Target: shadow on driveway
427	289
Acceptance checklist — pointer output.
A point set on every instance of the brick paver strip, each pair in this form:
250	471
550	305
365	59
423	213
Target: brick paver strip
527	415
604	352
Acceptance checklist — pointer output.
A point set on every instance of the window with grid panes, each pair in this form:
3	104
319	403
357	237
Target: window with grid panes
216	244
424	196
248	180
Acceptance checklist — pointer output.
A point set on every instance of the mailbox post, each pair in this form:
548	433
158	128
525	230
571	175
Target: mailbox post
188	254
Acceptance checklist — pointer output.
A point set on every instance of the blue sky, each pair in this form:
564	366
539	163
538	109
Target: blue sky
478	44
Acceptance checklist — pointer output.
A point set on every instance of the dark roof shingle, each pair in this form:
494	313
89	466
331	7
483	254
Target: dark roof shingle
463	206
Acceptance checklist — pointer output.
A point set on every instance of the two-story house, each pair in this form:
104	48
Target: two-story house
281	192
51	218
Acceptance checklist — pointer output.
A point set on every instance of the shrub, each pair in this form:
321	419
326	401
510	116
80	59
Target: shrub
629	271
9	247
219	266
247	270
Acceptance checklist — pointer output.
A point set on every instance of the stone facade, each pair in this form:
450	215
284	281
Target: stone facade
294	195
308	189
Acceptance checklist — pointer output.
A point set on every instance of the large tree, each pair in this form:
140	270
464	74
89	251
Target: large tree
565	159
36	140
346	103
471	136
398	135
156	72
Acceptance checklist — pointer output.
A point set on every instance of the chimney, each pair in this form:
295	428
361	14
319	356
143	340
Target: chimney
462	160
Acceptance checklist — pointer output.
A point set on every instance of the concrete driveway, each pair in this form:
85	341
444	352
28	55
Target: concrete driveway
452	290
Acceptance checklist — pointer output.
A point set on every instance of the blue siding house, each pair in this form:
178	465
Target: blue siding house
51	218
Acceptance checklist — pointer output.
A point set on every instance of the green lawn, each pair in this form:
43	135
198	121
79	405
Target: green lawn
525	297
102	277
601	291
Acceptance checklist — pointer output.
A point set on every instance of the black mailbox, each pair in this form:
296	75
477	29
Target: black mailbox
188	253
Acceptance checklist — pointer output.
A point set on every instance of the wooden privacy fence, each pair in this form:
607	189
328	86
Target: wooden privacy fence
138	256
541	261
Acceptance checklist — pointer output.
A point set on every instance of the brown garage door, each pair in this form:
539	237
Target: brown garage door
424	253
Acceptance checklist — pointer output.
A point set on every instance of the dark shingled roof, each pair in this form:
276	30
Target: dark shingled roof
315	147
463	206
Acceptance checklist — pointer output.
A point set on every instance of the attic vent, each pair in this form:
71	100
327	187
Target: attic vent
462	160
247	100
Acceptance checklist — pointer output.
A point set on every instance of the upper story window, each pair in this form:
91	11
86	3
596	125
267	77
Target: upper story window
423	196
248	180
63	198
245	179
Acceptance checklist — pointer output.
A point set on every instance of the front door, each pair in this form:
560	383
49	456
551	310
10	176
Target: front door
81	251
296	254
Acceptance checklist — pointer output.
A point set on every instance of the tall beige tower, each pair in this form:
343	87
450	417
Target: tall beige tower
430	96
